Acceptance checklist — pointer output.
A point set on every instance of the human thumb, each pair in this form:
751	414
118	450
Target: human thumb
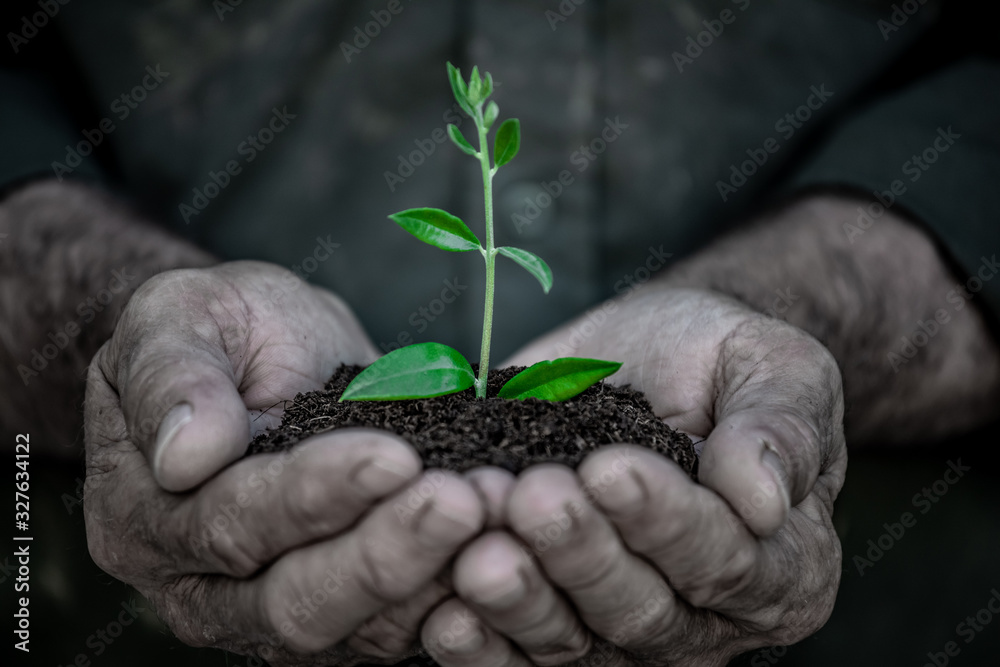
183	410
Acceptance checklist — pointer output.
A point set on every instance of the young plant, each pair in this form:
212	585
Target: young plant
426	370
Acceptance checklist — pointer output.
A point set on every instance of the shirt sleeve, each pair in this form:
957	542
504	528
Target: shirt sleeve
933	151
35	131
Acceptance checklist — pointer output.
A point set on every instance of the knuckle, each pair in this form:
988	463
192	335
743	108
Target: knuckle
574	643
539	493
310	502
730	579
223	541
674	528
275	612
383	636
383	575
652	621
238	555
602	565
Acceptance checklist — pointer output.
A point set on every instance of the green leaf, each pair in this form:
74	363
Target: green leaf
507	142
459	140
475	87
492	111
459	89
488	86
532	263
557	380
438	228
423	370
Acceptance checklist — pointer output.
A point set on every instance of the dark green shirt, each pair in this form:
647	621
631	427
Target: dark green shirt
646	128
288	131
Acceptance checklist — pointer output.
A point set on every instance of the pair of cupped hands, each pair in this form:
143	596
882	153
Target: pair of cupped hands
345	551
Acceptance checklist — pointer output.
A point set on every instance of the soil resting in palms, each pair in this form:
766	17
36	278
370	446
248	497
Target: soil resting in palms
458	432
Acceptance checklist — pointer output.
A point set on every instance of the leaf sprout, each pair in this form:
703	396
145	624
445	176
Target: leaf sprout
425	370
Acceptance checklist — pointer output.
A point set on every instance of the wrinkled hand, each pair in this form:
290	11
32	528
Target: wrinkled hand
627	558
283	554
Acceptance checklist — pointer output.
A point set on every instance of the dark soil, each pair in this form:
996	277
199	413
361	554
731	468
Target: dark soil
459	432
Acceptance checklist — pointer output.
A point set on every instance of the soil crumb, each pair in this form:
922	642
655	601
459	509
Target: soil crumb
458	432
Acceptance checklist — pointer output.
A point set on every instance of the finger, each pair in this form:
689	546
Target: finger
685	530
455	637
775	434
325	591
494	486
250	513
179	396
265	505
394	632
583	555
741	462
504	588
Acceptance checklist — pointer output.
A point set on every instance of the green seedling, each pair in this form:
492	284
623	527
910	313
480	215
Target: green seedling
426	370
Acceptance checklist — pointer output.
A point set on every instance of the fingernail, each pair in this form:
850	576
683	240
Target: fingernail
380	476
771	460
503	596
174	421
446	522
624	495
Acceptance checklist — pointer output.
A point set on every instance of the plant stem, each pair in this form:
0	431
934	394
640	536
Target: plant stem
489	255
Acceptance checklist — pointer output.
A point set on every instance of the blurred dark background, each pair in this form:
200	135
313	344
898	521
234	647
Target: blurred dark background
908	603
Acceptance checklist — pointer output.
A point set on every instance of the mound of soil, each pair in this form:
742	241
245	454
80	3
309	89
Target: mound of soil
458	432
